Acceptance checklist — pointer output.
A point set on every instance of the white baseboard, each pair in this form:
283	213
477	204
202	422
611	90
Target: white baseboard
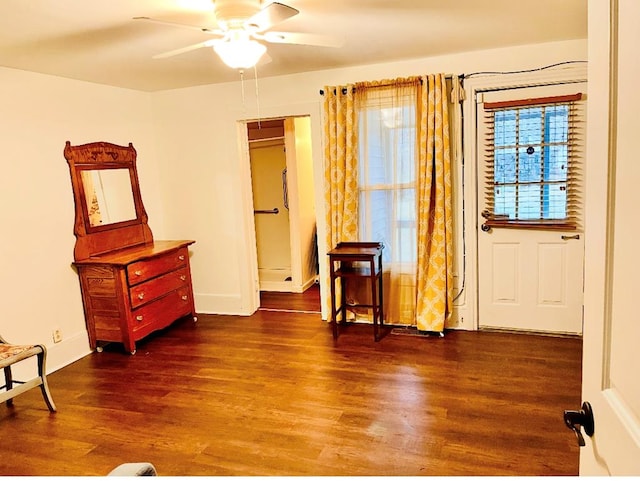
224	305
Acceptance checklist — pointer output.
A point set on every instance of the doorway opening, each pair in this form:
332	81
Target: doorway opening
283	204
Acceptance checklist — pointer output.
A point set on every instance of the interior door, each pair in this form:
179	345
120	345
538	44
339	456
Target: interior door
611	359
268	166
528	279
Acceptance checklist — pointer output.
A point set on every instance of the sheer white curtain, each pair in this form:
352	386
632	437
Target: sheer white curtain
387	133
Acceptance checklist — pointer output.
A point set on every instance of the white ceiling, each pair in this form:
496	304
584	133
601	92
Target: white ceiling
97	40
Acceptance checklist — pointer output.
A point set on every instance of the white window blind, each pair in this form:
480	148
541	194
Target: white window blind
533	172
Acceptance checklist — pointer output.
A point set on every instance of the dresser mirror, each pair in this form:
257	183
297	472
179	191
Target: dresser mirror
108	196
109	213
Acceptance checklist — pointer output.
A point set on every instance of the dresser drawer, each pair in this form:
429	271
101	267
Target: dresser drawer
145	292
141	271
161	312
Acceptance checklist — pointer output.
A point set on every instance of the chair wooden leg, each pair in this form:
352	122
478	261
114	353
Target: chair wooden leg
44	387
8	378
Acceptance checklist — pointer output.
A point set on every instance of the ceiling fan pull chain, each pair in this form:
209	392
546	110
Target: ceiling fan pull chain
255	71
244	104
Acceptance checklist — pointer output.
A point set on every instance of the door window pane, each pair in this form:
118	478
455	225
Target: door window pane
530	162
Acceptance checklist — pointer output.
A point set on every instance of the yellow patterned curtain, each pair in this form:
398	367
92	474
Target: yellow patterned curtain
341	168
434	299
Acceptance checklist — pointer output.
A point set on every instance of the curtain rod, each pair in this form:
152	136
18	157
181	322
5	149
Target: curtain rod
447	76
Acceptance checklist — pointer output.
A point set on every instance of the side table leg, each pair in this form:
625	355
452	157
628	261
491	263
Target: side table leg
375	308
380	291
334	320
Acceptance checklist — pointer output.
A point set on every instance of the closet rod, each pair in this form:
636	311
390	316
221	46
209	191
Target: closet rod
266	139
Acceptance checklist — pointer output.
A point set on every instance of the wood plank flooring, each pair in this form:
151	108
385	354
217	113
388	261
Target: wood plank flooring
307	301
272	394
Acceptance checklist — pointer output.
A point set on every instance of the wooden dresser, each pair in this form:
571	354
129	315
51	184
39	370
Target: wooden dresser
127	295
131	285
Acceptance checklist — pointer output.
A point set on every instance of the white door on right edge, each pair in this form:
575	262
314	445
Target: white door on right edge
529	278
611	359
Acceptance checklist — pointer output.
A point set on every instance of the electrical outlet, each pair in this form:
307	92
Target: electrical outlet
57	335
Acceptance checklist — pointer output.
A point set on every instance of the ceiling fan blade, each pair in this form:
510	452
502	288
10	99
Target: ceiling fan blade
189	48
265	59
182	25
269	16
301	39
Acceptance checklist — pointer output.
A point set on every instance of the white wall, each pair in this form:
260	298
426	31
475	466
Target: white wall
200	155
40	289
193	183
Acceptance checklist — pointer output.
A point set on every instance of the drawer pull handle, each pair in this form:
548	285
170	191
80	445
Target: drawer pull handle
181	258
183	278
184	298
138	273
138	318
141	296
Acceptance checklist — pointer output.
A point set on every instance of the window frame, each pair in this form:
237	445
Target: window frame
574	200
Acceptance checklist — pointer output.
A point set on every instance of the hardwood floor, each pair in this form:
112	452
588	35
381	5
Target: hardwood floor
272	394
307	301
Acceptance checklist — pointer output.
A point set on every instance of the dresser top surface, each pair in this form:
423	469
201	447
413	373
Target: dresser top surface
136	253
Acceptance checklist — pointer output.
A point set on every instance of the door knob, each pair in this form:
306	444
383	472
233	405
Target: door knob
574	420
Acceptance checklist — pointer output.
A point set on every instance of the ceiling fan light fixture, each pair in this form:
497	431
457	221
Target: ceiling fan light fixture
243	53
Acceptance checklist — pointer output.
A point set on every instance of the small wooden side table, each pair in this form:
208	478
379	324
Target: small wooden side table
357	260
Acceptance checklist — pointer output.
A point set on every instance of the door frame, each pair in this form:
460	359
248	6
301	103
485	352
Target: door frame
569	72
247	243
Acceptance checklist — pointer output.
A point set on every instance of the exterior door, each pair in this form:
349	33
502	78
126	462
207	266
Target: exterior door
529	279
611	359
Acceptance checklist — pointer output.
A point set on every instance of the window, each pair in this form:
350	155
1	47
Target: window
532	172
387	179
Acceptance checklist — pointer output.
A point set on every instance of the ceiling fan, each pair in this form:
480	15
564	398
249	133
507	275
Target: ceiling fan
242	25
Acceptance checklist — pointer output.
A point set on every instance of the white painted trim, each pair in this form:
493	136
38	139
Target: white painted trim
249	282
59	355
225	305
294	207
278	286
69	350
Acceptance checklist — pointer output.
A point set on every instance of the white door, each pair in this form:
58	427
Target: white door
268	166
529	279
611	359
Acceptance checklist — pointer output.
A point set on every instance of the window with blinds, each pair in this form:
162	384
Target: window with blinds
534	173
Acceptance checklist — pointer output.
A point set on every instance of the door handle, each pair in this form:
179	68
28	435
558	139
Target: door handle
574	420
264	211
569	237
285	189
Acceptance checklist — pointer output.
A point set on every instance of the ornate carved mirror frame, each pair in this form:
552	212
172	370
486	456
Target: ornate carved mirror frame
95	237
